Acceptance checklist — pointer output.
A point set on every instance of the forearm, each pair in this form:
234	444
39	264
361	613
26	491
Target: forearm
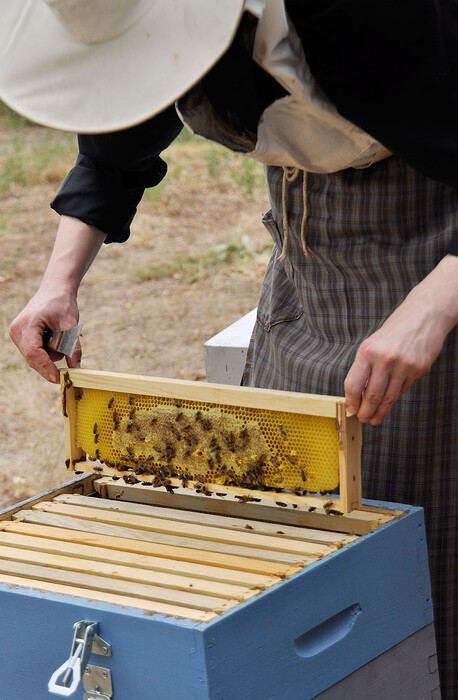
439	293
75	248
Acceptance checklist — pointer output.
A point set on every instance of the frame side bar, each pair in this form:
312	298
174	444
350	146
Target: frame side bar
73	453
350	441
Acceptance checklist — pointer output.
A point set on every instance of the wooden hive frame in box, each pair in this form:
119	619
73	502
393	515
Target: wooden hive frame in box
271	407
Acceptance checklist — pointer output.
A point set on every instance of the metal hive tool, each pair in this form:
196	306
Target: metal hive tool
171	432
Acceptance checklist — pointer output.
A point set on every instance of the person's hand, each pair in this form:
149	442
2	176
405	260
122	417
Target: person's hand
54	305
388	362
49	308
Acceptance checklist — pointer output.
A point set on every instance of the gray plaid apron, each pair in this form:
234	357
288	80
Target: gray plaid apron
373	234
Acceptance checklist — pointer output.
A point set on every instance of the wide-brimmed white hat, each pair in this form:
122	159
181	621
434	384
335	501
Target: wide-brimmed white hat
102	65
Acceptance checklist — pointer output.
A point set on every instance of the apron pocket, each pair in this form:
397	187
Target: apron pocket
278	301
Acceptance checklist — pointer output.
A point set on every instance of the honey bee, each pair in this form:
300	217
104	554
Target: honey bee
153	421
290	459
94	429
98	469
229	439
97	454
198	415
132	413
303	475
248	527
96	438
110	402
131	400
282	430
243	438
311	509
130	479
246	499
328	504
67	463
275	462
332	511
206	424
176	403
279	503
67	381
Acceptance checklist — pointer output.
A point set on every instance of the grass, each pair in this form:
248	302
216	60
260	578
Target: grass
190	268
31	154
247	176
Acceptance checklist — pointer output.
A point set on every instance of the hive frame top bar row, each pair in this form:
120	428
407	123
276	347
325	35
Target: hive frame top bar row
289	401
349	427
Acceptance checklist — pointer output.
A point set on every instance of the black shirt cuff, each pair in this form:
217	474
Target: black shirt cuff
112	172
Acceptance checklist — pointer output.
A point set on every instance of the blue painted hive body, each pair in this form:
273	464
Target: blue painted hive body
333	611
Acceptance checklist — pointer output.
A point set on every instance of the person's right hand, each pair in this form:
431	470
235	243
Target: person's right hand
54	305
49	308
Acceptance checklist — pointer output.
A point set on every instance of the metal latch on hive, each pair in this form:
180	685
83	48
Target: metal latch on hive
66	679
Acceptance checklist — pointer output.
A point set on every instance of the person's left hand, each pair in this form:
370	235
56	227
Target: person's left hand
389	361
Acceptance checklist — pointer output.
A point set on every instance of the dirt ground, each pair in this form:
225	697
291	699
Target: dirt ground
193	265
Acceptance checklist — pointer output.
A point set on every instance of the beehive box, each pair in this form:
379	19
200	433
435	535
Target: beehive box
201	596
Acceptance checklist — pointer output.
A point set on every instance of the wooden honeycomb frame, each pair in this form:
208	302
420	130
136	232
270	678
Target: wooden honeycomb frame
348	427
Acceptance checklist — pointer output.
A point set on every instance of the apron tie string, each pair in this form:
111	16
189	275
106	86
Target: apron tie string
289	175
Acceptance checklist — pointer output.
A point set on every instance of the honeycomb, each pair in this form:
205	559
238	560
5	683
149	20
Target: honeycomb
213	443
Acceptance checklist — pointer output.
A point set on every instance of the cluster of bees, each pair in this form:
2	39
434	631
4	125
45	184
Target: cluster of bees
203	445
173	440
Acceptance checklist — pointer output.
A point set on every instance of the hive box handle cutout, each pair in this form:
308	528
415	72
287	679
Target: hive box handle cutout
327	633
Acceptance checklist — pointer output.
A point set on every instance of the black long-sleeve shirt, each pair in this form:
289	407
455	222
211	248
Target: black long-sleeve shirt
389	66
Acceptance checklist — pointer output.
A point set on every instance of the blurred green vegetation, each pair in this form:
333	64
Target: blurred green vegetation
190	268
32	154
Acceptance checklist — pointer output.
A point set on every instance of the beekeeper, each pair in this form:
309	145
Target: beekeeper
353	108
